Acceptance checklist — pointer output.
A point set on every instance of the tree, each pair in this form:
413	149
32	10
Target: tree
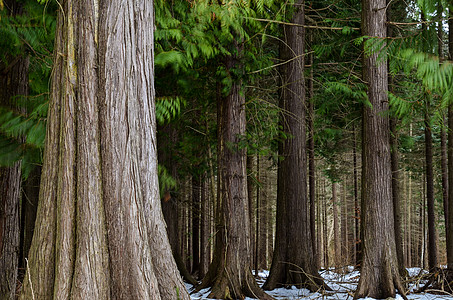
100	232
379	236
450	156
293	259
13	83
230	272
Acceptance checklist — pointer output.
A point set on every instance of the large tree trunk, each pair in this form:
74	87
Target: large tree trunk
293	261
100	232
13	82
230	272
379	238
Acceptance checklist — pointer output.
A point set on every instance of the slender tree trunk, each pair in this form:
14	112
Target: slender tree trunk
409	221
432	232
357	241
250	197
444	170
204	228
336	227
230	273
397	214
319	225
13	82
170	203
258	220
344	225
196	208
379	247
311	153
325	229
450	156
30	197
444	127
263	220
293	244
100	232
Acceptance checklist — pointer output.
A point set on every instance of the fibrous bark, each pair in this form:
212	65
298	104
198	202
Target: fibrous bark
379	273
100	232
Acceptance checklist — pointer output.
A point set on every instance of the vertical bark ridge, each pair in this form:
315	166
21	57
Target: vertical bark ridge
39	279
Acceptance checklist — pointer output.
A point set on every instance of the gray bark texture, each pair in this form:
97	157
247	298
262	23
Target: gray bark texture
379	273
100	232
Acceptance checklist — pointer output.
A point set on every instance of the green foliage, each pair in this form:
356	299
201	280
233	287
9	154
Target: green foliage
168	108
166	181
22	129
434	75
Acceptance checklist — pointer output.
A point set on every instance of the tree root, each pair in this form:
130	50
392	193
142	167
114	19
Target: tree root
440	281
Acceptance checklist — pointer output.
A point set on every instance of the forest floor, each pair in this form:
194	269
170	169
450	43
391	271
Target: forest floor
343	285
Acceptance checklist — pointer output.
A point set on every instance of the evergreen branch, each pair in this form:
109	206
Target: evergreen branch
301	25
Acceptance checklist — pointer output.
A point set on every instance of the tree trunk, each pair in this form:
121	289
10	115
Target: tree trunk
325	229
13	82
450	155
30	197
100	232
170	203
319	225
409	221
357	241
344	225
397	214
311	154
263	220
250	196
379	247
196	208
444	127
336	227
444	169
432	232
293	261
204	229
230	272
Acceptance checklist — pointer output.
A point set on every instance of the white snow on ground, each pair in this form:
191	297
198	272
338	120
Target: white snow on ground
343	286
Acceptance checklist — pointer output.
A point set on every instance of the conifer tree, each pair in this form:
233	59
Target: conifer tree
377	216
100	232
